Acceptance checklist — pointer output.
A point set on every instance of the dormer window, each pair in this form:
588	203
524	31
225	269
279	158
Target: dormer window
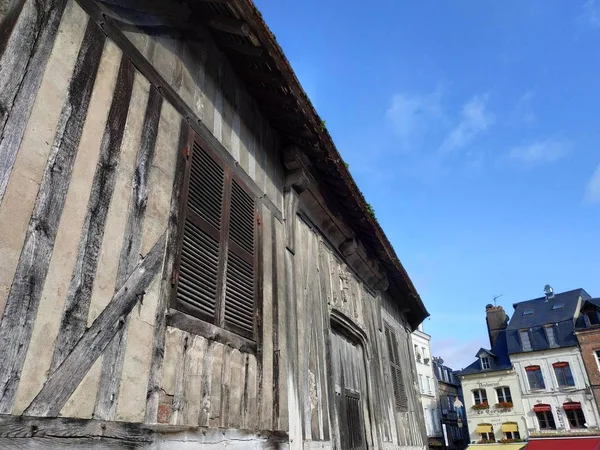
485	362
525	340
591	317
551	334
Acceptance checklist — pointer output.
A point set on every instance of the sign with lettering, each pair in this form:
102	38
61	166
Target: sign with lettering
484	385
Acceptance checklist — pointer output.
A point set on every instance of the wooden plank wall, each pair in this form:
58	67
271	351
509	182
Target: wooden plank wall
87	179
324	283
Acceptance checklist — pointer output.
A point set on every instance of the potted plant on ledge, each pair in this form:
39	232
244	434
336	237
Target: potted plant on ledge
504	405
480	406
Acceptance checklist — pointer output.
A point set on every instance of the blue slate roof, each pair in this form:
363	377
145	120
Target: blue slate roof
498	355
532	315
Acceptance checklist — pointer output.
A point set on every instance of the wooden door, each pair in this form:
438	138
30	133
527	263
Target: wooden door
350	391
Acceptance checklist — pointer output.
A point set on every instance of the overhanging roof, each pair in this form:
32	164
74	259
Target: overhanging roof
241	33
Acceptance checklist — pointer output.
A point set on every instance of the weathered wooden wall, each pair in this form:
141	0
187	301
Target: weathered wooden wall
90	178
326	285
87	172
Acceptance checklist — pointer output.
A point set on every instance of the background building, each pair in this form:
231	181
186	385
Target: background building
428	386
544	351
491	389
451	405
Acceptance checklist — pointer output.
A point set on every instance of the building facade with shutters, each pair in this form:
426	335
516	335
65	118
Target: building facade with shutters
544	351
186	260
451	406
428	386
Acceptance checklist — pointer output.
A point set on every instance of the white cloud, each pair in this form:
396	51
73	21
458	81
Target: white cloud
523	112
592	193
540	152
475	119
591	12
410	115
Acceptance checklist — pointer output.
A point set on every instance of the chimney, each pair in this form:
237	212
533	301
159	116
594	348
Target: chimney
496	320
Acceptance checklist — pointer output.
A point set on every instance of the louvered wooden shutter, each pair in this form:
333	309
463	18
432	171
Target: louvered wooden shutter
400	399
240	281
219	215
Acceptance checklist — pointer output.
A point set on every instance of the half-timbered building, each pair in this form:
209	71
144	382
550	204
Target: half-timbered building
185	259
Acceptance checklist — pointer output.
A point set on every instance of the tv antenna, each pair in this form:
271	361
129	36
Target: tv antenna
497	297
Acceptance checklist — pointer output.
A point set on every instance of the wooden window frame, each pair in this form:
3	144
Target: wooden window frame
218	327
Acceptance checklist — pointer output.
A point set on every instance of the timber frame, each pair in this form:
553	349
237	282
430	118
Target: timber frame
289	109
102	102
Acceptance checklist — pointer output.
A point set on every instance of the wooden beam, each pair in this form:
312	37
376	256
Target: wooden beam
198	327
228	25
25	293
166	288
58	433
23	58
248	50
62	383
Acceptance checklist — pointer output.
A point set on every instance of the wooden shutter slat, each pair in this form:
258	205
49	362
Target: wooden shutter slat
239	293
241	221
206	187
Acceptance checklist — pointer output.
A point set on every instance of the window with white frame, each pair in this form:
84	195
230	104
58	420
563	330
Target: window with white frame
535	377
485	362
597	354
564	376
546	419
503	394
428	385
421	386
480	396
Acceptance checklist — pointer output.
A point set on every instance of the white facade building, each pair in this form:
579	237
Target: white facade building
497	387
554	381
427	382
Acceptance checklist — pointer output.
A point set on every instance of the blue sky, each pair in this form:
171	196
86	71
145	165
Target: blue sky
473	128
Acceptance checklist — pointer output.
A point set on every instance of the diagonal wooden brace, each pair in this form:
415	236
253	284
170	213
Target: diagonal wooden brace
64	380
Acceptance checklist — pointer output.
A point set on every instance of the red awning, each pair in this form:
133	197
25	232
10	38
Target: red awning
569	406
579	443
542	408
